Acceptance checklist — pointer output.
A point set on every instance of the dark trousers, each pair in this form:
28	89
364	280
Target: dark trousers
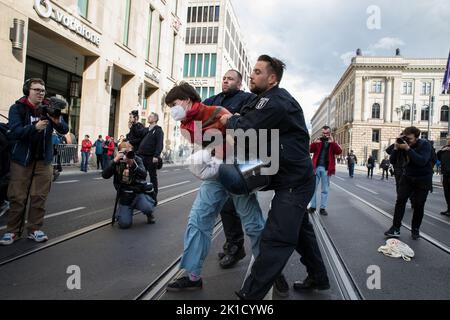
232	225
370	172
385	171
417	190
351	169
446	185
287	229
99	161
151	168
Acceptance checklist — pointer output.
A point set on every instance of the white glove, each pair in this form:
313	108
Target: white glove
203	165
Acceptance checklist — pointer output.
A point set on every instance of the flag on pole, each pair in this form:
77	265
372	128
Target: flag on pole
445	83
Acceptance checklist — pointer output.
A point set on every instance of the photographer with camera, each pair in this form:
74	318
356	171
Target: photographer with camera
31	123
416	179
443	156
137	130
133	191
324	150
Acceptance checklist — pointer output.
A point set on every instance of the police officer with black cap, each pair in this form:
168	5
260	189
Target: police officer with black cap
287	227
233	99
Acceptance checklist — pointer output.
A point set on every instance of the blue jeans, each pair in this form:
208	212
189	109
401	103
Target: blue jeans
142	202
205	210
321	174
84	160
351	170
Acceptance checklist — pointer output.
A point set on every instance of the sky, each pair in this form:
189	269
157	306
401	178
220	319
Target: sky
317	39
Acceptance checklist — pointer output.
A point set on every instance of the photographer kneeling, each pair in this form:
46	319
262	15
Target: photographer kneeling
132	189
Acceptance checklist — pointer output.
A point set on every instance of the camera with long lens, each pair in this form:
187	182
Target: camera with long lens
52	108
129	154
402	140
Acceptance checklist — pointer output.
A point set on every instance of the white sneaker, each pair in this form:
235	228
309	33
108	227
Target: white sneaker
4	208
38	236
8	238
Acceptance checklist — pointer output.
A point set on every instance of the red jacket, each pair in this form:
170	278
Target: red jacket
333	151
86	146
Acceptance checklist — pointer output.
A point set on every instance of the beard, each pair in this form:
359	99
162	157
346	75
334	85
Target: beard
257	90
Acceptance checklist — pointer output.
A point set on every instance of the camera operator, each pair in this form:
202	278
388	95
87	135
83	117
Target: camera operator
31	123
416	180
444	156
137	130
133	191
324	151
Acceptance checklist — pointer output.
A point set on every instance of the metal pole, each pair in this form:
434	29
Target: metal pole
430	115
413	110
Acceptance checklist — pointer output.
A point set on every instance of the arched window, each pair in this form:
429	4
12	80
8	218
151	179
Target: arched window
444	113
425	113
406	113
376	111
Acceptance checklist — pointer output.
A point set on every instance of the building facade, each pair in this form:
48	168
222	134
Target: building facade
377	97
105	58
322	117
214	45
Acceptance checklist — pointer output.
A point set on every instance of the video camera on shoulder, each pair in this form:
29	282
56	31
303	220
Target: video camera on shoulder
402	140
52	108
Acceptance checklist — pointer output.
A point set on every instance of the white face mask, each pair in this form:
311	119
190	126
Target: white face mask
178	113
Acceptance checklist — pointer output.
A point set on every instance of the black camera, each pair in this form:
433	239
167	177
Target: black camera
52	108
324	139
402	140
129	154
135	113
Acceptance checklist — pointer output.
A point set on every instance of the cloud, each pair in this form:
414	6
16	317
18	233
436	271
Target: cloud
388	43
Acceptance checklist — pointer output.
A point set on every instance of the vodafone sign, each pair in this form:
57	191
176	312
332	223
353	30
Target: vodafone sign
45	9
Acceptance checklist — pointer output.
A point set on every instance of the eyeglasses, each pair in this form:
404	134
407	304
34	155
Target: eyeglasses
38	90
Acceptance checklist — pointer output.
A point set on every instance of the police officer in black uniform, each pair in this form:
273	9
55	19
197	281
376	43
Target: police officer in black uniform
233	99
287	227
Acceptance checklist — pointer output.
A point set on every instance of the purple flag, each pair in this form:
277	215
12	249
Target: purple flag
445	83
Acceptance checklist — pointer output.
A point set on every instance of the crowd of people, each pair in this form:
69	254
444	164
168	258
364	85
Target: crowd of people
273	240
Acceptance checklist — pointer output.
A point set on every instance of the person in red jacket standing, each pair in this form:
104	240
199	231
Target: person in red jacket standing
324	150
86	146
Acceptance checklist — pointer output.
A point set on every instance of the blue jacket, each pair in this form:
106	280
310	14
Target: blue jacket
418	160
232	101
98	146
22	131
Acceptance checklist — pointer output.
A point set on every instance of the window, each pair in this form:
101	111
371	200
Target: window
407	88
444	113
200	14
126	31
228	21
211	13
149	33
186	65
204	30
189	15
199	35
205	14
206	65
227	41
426	88
375	155
188	34
199	64
210	34
83	8
376	135
443	135
213	65
204	94
216	34
159	40
192	66
174	43
194	14
217	14
406	113
211	91
376	87
192	36
425	113
376	111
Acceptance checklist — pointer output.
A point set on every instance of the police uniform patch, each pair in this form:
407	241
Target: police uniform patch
262	103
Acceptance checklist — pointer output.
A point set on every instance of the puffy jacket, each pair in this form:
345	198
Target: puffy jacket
86	146
22	131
